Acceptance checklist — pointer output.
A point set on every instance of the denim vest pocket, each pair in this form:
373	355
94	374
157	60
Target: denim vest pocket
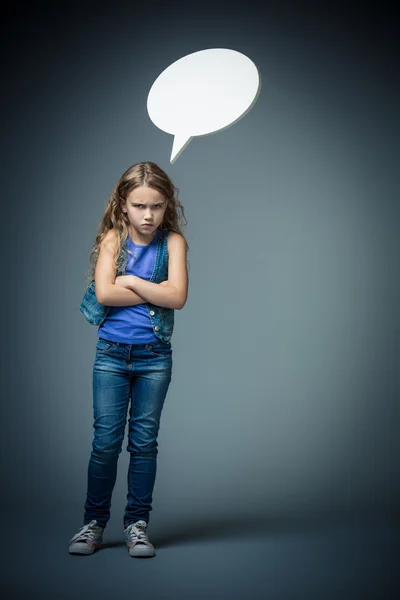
93	312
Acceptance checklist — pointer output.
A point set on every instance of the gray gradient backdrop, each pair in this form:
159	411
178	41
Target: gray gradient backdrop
285	387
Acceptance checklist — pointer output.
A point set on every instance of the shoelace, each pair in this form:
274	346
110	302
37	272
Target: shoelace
136	533
88	532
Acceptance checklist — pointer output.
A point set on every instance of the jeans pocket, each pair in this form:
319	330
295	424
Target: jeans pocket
160	349
105	345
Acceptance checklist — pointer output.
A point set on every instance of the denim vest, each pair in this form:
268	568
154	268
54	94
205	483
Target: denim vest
162	319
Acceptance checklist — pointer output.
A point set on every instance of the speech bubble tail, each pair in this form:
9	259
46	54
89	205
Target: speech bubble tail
179	144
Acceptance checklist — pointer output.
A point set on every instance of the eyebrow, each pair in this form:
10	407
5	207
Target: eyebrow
144	203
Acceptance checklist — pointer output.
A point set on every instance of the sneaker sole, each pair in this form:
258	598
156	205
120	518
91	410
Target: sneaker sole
141	552
81	548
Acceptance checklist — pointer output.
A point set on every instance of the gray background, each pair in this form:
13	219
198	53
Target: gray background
283	406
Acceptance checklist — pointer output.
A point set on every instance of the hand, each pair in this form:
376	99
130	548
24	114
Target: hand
123	280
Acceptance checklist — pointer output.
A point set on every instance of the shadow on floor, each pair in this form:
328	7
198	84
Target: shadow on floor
214	528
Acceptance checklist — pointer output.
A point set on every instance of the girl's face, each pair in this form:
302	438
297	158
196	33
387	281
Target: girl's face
145	205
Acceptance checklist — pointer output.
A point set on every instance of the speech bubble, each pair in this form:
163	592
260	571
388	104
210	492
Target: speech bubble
203	93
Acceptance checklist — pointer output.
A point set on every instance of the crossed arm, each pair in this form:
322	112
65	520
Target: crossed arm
161	294
168	294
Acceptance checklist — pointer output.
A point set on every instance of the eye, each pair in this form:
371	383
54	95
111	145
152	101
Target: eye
142	205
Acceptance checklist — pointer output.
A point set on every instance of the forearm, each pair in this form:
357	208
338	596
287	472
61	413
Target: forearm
165	296
116	295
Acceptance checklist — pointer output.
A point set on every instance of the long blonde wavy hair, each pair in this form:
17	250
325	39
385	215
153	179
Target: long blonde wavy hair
140	174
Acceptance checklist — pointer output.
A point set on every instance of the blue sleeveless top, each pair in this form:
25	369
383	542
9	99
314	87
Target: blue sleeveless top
131	324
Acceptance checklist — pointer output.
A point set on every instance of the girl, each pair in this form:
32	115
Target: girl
138	278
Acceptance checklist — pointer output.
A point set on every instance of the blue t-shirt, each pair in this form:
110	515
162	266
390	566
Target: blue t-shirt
131	324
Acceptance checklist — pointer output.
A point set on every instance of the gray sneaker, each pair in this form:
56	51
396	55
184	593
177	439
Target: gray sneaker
87	540
137	541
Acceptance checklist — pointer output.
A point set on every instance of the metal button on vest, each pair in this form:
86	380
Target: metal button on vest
157	328
152	313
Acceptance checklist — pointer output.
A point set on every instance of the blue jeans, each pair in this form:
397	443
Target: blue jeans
123	372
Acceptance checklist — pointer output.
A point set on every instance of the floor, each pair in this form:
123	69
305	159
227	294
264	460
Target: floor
326	559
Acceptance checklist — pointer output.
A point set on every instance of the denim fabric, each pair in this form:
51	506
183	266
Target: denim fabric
142	373
162	319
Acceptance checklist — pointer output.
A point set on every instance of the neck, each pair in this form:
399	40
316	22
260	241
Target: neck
142	240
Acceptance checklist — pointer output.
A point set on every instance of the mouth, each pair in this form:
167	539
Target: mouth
148	225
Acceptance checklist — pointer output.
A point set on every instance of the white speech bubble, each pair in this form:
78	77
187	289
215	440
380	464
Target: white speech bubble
203	93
